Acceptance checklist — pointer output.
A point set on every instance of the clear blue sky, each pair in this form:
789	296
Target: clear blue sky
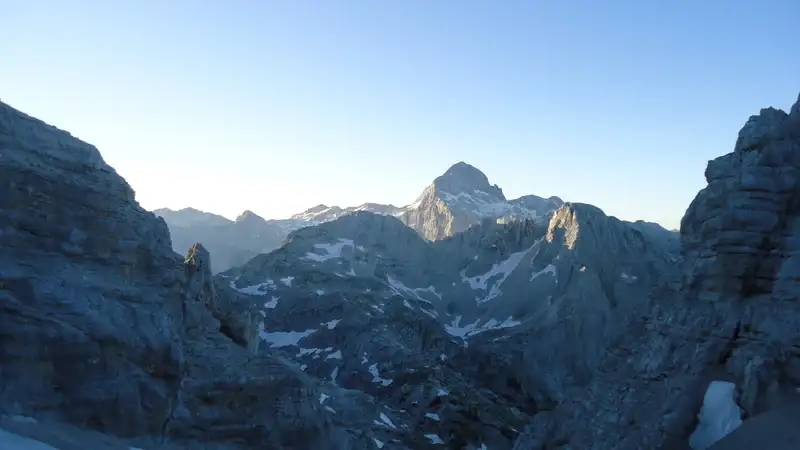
276	106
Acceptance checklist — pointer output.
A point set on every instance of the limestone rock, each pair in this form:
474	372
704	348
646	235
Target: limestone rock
103	327
736	319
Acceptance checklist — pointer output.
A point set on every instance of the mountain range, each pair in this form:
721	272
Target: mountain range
454	201
462	320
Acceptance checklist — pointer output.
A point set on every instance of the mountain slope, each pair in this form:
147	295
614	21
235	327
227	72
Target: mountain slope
190	217
104	327
475	322
737	318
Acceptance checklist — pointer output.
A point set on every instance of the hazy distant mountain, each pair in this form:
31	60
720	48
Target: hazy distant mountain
190	217
456	200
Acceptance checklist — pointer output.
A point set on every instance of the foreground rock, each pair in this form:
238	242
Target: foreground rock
736	320
103	327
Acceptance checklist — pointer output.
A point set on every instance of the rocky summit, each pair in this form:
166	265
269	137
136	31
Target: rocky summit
376	329
458	199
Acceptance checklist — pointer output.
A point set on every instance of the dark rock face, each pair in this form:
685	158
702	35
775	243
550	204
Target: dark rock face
89	287
103	326
737	318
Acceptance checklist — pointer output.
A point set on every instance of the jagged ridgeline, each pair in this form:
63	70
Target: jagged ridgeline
456	200
376	329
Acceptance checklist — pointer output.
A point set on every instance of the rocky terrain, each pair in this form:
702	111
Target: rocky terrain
458	199
580	331
736	319
105	328
463	336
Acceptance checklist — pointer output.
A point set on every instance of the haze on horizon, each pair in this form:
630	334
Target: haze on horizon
278	106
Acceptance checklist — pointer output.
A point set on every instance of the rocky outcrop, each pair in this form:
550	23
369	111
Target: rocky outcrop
736	319
462	197
104	327
89	287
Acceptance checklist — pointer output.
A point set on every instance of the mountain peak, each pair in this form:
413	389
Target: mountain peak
465	178
248	216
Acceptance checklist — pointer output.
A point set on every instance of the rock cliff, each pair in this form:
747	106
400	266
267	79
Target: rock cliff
737	318
104	327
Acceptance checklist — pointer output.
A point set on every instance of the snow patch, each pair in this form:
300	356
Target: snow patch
329	250
287	281
432	416
282	338
378	443
435	439
376	377
628	278
9	441
718	416
551	269
256	289
323	397
272	303
402	290
499	270
463	331
331	324
335	355
385	419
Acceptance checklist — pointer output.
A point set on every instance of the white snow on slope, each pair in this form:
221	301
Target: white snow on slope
9	441
482	207
551	269
331	324
435	439
385	419
500	270
463	331
335	355
402	290
282	338
718	416
329	250
272	303
376	377
256	289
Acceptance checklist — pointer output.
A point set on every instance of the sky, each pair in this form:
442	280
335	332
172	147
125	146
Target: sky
277	106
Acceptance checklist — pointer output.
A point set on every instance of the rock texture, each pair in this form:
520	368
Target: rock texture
460	338
104	327
463	197
735	320
460	198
